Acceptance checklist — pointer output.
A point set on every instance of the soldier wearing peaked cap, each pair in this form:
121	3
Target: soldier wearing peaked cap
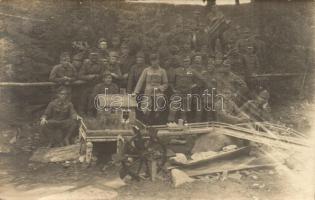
59	119
259	108
99	89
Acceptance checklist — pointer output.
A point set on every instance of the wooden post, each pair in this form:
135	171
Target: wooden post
88	153
153	170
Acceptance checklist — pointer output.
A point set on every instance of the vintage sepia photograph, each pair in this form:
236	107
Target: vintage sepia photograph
157	100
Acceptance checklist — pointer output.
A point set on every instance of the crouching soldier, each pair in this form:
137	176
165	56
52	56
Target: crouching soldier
59	121
107	86
182	81
154	80
258	109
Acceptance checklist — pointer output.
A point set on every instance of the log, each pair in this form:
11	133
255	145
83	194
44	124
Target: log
57	154
35	84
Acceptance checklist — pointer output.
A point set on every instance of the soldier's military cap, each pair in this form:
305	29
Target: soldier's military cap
113	54
264	94
140	54
106	73
102	40
154	56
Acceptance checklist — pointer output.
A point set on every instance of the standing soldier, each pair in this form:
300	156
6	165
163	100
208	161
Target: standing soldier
182	81
103	48
114	68
154	80
126	61
228	82
197	103
63	73
251	64
91	73
115	44
135	72
59	119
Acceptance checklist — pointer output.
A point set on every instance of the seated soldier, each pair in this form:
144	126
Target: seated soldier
63	73
258	109
154	80
111	88
227	111
59	119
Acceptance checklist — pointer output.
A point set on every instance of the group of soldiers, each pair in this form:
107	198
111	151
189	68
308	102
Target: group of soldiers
192	70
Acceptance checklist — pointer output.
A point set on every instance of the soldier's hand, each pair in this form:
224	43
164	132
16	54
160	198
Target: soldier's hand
43	121
114	75
79	117
125	75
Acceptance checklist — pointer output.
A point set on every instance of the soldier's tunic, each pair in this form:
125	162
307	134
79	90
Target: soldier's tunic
58	73
88	68
228	112
133	77
198	103
257	112
61	120
251	65
155	82
99	89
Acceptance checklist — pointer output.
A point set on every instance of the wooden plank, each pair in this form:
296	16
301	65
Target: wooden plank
230	165
220	155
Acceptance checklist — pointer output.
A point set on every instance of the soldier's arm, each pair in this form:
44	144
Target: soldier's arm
72	112
48	111
130	80
141	81
75	73
164	84
53	75
200	79
172	78
223	116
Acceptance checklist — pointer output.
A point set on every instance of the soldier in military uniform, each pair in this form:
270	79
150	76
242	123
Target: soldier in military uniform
91	73
228	82
135	72
59	119
108	85
63	73
182	81
114	67
258	109
197	103
154	80
252	67
103	52
227	111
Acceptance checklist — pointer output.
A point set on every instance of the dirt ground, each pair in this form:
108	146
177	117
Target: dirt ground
22	179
